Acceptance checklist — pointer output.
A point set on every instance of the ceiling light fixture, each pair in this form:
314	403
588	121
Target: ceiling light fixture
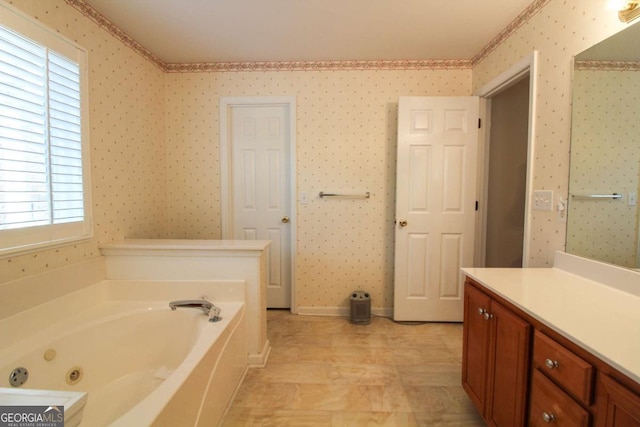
629	10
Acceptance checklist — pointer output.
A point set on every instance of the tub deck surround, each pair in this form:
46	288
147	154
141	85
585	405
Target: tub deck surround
169	259
203	362
187	248
25	293
602	316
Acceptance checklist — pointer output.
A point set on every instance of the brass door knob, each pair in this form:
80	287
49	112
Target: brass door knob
402	223
285	219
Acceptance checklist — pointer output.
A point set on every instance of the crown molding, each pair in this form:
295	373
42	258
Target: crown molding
520	20
319	66
427	64
116	32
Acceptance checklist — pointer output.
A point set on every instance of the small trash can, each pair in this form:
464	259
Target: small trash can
360	308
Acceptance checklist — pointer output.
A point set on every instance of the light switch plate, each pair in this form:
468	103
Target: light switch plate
543	200
632	200
303	198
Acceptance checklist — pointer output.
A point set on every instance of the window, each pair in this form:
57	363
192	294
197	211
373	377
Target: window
43	140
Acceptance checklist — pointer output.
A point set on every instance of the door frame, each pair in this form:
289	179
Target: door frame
226	181
528	66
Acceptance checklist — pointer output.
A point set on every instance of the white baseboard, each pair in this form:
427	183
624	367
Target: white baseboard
260	360
323	311
341	311
383	312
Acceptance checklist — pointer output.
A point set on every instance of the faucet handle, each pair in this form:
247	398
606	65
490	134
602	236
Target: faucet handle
214	314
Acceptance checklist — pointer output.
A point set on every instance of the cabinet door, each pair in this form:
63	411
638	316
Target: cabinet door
475	346
509	360
617	406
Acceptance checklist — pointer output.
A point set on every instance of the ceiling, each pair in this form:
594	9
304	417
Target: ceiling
213	31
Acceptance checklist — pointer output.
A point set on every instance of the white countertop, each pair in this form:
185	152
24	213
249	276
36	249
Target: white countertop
601	318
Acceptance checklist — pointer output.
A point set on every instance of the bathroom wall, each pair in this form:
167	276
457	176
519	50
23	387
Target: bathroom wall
561	29
147	160
347	116
604	161
346	139
127	141
155	150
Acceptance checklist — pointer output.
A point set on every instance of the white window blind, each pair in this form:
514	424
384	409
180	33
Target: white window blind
42	181
65	136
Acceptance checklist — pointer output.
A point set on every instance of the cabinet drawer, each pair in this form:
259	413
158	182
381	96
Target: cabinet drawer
550	405
565	368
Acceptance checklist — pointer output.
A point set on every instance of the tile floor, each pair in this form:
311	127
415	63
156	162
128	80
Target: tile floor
325	371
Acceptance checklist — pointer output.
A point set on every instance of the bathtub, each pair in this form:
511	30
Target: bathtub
140	363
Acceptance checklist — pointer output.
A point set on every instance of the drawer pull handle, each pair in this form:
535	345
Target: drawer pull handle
481	311
551	364
487	315
548	417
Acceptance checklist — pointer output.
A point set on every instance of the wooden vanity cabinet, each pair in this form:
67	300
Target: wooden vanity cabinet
496	359
520	372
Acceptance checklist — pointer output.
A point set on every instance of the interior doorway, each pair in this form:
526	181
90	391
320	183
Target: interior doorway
507	175
504	220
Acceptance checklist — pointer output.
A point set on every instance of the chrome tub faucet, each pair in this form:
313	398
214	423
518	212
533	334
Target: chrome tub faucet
207	307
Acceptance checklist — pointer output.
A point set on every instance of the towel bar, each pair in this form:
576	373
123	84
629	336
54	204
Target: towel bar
596	196
366	195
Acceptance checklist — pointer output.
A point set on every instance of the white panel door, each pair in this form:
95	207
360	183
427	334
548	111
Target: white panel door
435	205
260	189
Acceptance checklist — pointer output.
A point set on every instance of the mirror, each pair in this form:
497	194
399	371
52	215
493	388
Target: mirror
602	219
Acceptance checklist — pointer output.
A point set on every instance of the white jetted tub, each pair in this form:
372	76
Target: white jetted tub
141	363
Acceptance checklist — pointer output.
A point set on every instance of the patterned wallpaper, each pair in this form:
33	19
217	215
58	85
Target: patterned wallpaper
155	144
127	141
558	31
346	133
605	154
